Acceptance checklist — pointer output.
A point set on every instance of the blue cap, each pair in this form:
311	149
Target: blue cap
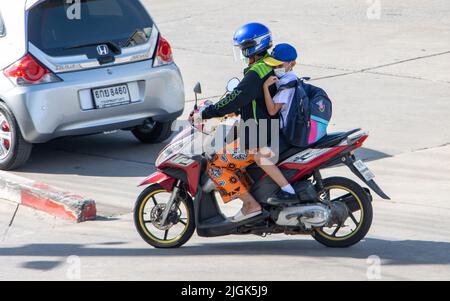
282	53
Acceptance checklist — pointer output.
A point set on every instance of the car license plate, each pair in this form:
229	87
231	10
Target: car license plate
111	96
364	170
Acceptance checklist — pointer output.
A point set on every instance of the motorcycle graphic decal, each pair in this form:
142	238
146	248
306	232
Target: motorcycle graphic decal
307	155
181	160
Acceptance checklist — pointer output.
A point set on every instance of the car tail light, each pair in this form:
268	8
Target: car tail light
29	71
163	53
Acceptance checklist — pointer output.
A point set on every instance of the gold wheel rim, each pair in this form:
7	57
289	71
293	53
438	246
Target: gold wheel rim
327	236
147	232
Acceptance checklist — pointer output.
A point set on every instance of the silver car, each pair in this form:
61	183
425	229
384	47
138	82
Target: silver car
72	67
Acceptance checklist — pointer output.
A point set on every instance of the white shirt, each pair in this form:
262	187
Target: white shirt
285	96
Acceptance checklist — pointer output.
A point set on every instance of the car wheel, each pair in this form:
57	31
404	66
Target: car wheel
14	150
153	132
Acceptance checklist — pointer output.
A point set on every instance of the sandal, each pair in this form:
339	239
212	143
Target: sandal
240	216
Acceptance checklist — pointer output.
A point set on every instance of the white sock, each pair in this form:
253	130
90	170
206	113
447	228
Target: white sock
288	188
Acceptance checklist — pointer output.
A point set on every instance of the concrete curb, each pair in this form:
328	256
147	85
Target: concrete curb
46	198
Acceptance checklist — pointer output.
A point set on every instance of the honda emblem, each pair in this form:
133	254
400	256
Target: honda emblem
102	49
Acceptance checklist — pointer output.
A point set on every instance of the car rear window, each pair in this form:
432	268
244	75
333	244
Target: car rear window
59	28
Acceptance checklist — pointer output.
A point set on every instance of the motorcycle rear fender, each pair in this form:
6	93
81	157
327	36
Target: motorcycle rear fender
158	177
349	160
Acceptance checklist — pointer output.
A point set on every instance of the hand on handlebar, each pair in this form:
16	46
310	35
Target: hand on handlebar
196	120
191	117
195	117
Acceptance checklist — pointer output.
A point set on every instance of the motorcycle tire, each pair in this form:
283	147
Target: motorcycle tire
366	216
150	193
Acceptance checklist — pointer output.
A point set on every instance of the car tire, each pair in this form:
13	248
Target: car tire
154	132
14	151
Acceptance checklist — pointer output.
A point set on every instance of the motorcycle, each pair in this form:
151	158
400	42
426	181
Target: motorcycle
180	198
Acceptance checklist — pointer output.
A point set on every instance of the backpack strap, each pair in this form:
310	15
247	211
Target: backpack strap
298	84
289	85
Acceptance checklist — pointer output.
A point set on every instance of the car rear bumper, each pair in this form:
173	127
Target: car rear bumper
65	108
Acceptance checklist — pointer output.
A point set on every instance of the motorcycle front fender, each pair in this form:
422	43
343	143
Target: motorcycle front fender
158	177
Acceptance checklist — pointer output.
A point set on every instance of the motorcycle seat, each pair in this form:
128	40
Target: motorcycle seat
329	140
333	138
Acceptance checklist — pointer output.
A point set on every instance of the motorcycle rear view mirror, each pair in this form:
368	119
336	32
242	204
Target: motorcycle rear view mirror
232	84
197	90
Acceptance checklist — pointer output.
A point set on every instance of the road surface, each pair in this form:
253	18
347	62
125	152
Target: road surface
386	71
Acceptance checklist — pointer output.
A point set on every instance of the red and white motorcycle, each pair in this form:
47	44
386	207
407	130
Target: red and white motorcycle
181	198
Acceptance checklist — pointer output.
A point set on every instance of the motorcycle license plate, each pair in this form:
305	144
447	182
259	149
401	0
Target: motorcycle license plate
364	170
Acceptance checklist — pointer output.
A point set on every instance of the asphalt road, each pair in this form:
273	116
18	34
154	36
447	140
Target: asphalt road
388	76
386	71
409	240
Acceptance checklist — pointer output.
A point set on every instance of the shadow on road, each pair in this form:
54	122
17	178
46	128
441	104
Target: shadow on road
42	265
404	252
114	155
367	154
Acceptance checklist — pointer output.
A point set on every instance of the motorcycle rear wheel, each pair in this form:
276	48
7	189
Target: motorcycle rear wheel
149	204
365	213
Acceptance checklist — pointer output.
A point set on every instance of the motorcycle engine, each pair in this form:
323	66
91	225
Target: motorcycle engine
314	215
310	215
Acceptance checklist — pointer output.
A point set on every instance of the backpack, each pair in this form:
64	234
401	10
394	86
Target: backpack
309	114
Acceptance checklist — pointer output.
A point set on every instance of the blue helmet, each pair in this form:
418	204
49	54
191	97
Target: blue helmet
252	39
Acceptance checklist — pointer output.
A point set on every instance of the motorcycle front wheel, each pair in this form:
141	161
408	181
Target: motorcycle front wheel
180	224
357	224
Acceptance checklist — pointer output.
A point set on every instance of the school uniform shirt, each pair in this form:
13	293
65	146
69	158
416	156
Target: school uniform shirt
285	96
